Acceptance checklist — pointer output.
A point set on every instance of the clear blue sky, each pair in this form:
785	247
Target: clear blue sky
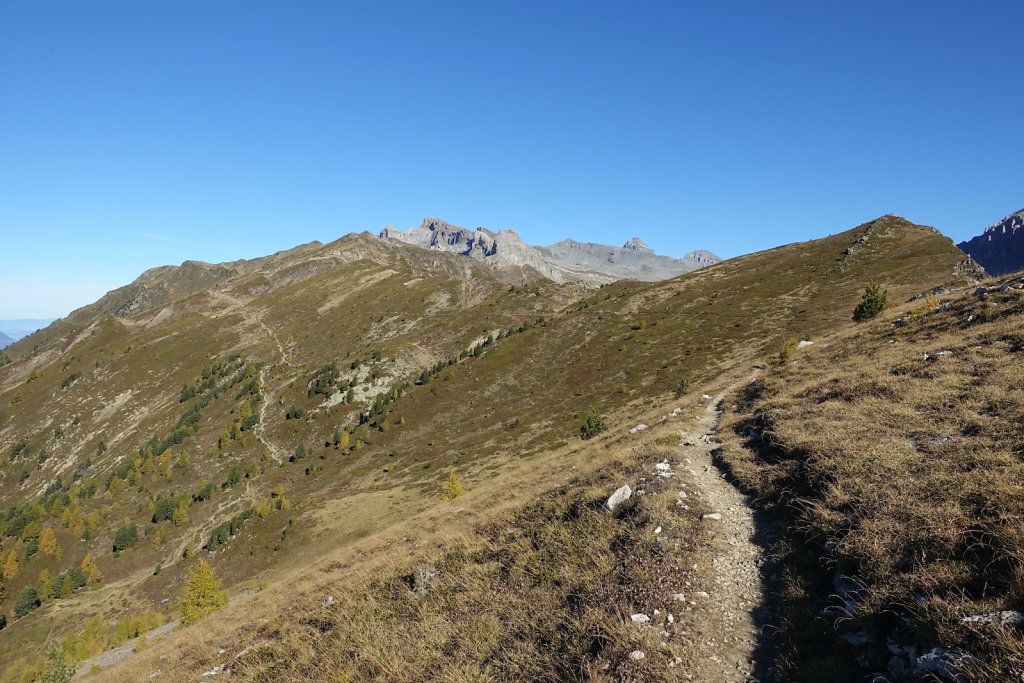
135	134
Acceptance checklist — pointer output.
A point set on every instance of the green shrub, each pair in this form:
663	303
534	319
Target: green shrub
682	388
125	537
873	301
27	601
592	426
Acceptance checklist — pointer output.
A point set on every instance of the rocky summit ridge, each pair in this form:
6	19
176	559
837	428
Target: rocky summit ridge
565	261
1000	248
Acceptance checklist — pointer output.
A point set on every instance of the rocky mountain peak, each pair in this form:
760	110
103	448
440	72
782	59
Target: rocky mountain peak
565	261
1000	248
637	244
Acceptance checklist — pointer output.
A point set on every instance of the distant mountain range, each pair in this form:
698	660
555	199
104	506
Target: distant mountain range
565	261
13	330
1000	249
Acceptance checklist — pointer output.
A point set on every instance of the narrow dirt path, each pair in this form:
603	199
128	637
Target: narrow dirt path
122	652
259	431
740	604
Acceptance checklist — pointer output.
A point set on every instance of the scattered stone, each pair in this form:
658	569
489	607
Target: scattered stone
1005	618
639	428
328	601
663	467
640	618
804	344
980	291
676	411
902	322
943	663
944	308
705	397
702	594
712	516
637	655
620	496
679	597
671	619
657	530
1004	288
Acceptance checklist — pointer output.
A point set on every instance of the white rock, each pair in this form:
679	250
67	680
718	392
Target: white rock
1005	618
679	597
702	594
671	619
804	344
657	530
620	496
639	428
640	618
663	467
712	516
705	397
637	655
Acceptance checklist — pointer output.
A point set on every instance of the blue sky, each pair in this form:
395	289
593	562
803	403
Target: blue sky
140	134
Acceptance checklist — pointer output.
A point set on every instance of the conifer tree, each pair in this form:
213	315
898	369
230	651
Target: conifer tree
453	489
180	516
203	594
45	584
11	566
92	572
873	302
48	542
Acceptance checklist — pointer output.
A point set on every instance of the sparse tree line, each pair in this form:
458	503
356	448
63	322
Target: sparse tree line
23	522
202	595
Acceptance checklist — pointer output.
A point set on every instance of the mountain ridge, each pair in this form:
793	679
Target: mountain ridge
1000	247
561	262
297	409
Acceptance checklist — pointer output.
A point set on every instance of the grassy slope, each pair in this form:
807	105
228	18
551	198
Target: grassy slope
620	349
894	455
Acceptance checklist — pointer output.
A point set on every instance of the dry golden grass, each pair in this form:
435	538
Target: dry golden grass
537	583
895	454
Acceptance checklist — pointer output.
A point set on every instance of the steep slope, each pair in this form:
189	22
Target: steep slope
312	406
5	340
891	455
1000	248
566	261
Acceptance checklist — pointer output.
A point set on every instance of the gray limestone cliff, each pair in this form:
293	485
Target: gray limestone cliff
1000	249
565	261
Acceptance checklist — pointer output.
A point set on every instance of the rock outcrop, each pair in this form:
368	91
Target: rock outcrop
1000	249
565	261
632	261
